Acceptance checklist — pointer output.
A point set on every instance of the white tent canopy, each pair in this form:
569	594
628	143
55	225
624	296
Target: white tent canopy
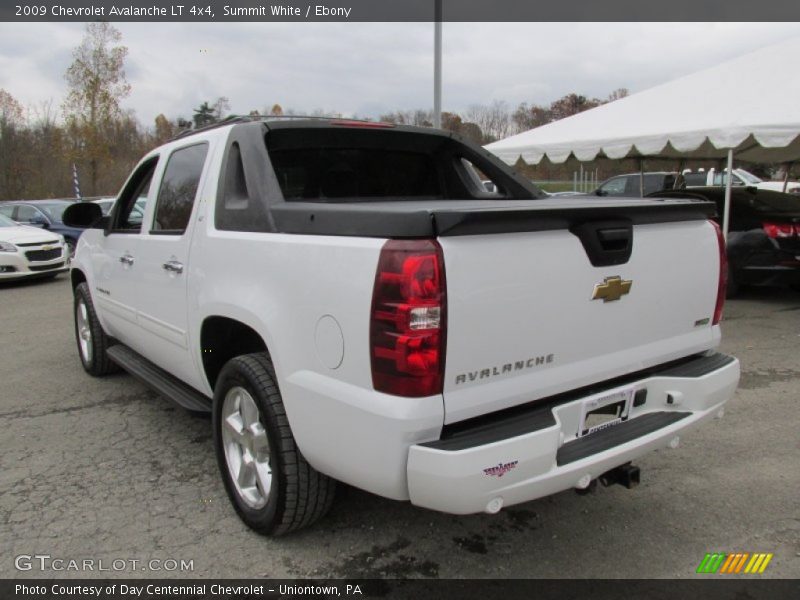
750	104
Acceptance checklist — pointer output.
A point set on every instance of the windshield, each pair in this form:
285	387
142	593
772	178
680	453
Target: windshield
748	177
54	210
6	222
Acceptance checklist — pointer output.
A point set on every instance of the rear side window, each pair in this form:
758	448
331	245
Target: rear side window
655	183
694	178
27	214
178	189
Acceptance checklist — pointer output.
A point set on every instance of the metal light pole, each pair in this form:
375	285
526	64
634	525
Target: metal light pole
726	215
437	66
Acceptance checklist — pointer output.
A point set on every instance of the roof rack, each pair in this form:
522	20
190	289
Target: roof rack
233	119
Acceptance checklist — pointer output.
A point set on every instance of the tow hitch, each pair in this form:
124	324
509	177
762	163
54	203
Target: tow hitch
627	475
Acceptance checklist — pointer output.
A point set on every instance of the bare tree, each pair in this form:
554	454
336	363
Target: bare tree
617	94
221	106
97	85
494	120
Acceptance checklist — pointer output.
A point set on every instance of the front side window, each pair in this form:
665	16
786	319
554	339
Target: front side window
128	211
614	187
722	179
179	188
54	211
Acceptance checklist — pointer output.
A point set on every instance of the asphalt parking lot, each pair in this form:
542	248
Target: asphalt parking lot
105	469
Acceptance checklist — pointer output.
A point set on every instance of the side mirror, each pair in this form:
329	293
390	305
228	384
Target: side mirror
600	192
84	215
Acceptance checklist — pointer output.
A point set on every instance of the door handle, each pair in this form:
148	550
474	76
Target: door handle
173	266
126	259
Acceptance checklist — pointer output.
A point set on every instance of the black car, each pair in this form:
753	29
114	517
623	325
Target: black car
45	214
763	234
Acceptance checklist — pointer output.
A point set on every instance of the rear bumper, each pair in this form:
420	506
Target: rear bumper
466	471
769	275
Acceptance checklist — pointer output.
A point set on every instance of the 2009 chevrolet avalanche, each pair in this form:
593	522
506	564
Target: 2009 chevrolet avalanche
353	304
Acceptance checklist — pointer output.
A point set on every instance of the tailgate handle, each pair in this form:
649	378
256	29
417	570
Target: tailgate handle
612	240
606	243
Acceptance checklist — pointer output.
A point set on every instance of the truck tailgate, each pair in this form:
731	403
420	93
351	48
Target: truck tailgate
522	322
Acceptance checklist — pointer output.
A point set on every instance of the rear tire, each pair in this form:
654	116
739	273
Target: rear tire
270	484
91	339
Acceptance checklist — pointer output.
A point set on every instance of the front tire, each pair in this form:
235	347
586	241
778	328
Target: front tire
92	340
270	484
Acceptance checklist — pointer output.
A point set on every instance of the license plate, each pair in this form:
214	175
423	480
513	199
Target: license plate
605	411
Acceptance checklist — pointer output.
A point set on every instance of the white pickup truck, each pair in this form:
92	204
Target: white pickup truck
741	178
352	304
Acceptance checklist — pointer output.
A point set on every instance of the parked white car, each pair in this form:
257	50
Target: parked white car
741	178
30	252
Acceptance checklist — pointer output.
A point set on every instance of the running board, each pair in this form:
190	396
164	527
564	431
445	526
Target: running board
158	379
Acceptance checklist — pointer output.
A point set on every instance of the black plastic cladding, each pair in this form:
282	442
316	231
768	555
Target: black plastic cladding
403	218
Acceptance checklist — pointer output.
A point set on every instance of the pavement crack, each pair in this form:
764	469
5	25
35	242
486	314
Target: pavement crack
111	400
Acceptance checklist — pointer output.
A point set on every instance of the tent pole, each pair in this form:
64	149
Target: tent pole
679	176
788	168
641	178
726	215
437	66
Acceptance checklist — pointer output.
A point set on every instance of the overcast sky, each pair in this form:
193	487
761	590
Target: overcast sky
368	68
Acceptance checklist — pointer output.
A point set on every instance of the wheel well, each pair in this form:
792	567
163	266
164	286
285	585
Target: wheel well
222	339
77	277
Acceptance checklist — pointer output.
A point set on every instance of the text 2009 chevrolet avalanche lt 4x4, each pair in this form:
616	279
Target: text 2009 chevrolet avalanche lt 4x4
352	304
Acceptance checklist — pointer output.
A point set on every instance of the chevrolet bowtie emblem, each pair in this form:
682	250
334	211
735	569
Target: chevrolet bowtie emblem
612	289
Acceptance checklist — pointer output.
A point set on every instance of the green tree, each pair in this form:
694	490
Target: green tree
97	85
204	115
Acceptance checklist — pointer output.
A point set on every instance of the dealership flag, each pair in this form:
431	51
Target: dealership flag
75	182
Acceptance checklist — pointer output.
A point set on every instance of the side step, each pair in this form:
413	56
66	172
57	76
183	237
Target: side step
158	379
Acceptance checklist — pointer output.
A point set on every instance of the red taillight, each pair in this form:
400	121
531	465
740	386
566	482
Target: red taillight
408	323
723	275
780	230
